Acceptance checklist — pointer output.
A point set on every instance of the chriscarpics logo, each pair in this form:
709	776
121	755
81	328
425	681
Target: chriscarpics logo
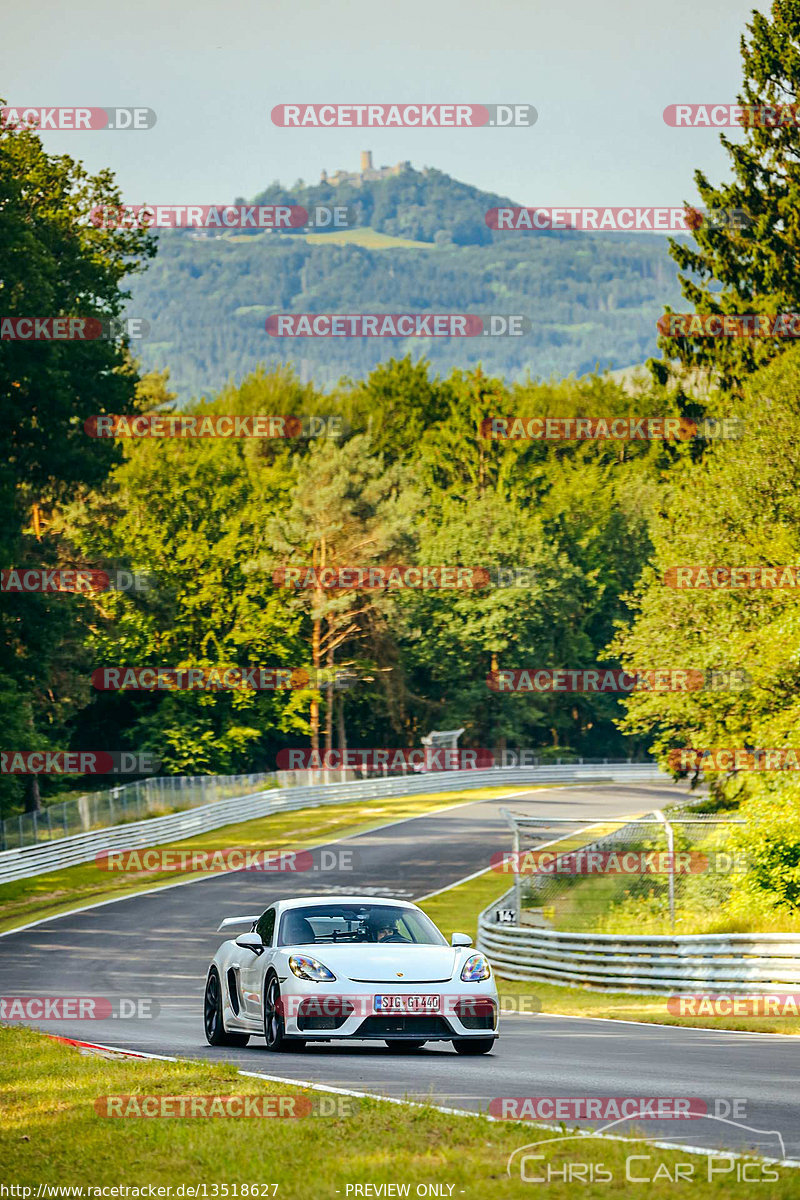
561	1159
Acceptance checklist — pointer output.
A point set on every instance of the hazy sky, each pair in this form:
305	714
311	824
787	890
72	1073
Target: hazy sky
599	74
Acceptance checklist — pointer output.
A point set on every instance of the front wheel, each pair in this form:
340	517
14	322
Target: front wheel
472	1045
216	1033
274	1024
403	1045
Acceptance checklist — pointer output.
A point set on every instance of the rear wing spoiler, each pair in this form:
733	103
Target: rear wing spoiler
230	921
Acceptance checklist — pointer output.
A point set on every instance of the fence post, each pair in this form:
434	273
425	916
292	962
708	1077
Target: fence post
671	853
517	879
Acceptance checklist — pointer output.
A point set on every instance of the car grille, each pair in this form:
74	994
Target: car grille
329	1012
394	983
426	1025
479	1013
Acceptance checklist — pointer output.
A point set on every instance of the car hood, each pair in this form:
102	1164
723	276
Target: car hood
371	963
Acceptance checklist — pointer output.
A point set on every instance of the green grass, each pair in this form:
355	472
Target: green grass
51	1133
363	236
370	238
638	905
60	891
613	903
458	907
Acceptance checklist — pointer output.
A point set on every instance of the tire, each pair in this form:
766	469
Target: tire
473	1045
403	1045
216	1033
274	1025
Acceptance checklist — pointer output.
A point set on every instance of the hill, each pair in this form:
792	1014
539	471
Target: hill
421	245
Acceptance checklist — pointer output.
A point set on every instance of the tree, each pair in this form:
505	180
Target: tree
191	514
756	268
347	509
739	507
54	263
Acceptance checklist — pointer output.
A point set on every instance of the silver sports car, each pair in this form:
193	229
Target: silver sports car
353	967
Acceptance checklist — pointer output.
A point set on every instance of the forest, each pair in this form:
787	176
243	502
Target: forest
577	537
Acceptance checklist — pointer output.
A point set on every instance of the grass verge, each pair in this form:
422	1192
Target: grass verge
457	908
365	236
52	1134
60	891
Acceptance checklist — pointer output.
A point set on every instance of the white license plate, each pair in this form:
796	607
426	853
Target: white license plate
407	1004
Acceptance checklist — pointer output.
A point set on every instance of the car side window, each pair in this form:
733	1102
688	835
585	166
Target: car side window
265	927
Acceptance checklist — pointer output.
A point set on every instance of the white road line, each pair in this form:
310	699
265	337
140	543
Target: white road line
485	870
202	878
467	878
447	808
656	1024
458	1112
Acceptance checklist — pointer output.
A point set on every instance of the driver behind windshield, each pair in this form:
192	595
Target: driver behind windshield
384	929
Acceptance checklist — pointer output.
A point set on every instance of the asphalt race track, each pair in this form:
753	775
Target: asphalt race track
159	945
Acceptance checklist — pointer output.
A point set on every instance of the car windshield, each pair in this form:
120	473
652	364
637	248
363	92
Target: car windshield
375	923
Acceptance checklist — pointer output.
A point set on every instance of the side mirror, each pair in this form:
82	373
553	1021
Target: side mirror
250	941
460	939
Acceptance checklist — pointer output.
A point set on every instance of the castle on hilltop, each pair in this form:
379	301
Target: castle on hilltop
366	174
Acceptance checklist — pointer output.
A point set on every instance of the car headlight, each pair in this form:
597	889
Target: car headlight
309	968
475	968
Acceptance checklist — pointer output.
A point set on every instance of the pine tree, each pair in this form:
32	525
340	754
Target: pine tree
751	265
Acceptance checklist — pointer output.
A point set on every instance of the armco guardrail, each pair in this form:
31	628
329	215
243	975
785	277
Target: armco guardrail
716	962
65	852
152	797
